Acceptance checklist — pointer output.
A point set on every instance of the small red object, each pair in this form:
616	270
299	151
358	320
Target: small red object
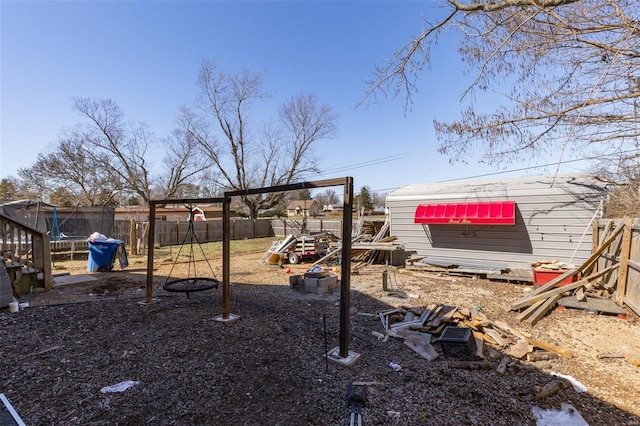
543	276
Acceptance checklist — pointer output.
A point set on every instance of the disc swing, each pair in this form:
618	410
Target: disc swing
192	282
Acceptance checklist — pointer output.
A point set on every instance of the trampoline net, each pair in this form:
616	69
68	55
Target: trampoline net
73	223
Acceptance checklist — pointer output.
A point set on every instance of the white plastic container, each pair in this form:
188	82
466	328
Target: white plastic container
14	307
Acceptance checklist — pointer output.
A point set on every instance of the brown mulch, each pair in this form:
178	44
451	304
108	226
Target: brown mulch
269	368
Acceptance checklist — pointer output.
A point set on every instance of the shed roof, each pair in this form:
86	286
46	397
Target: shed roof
498	189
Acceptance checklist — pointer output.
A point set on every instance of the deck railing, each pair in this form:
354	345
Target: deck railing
28	248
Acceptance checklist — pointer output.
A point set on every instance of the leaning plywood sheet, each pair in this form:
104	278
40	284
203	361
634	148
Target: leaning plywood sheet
72	279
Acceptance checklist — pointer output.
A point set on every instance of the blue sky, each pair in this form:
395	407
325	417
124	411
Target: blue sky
145	55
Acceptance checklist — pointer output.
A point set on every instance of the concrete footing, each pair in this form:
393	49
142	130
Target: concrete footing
232	318
149	303
334	356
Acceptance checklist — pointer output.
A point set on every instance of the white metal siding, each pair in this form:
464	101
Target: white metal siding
550	220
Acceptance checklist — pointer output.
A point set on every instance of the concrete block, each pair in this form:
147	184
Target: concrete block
296	282
320	285
329	283
336	285
311	282
322	290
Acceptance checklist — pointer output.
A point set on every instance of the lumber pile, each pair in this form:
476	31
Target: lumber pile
597	283
366	249
495	344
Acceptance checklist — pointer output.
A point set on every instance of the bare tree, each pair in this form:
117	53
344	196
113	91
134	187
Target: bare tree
106	155
9	189
183	166
68	176
121	147
379	198
566	71
623	177
246	154
327	197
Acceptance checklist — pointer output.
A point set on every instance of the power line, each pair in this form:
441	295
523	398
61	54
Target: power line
396	157
373	162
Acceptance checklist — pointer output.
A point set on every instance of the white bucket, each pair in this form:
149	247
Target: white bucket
13	307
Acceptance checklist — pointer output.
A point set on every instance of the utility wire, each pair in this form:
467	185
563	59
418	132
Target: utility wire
396	157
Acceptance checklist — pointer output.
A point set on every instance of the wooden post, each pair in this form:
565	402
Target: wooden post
595	236
226	259
145	230
152	232
133	237
345	268
42	257
624	261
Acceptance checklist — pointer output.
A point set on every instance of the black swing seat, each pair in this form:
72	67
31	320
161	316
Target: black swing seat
189	285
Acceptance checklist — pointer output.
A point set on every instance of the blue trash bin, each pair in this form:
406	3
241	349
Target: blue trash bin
102	255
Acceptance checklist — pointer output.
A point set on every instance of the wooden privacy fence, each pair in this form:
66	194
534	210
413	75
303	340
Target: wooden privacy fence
611	273
172	233
284	227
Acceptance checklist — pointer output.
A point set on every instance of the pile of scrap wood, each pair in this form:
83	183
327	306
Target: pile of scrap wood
608	282
366	249
496	344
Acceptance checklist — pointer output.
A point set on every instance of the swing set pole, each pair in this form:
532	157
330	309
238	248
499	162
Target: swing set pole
151	244
226	258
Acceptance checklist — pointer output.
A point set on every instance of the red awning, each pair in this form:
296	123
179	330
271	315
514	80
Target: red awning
483	213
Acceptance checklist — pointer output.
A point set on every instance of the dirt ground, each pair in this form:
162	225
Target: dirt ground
59	356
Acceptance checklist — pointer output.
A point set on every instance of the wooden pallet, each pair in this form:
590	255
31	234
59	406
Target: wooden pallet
592	304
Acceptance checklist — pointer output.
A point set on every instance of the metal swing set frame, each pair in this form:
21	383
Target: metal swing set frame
342	352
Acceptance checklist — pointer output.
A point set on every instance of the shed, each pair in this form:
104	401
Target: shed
498	227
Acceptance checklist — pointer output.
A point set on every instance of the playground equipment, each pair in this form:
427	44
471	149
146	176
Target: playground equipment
192	282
